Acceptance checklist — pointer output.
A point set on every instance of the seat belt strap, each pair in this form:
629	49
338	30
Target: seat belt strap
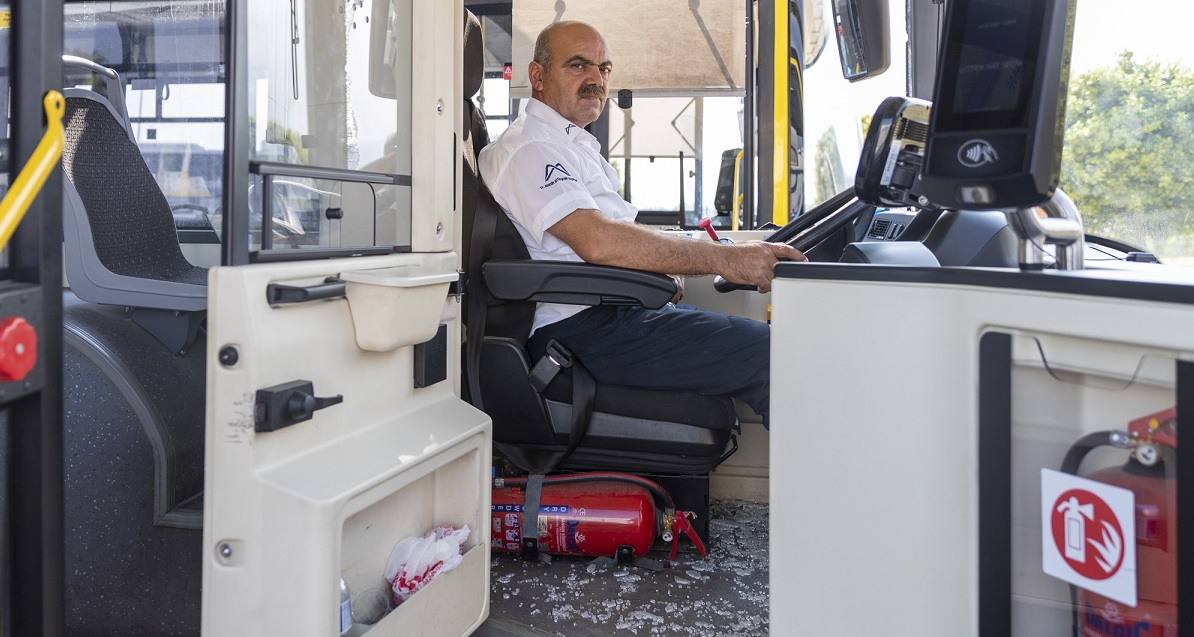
584	392
480	249
530	517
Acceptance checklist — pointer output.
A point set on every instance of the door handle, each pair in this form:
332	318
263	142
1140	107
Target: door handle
288	404
280	294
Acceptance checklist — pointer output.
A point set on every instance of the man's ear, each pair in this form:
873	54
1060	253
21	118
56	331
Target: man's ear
535	74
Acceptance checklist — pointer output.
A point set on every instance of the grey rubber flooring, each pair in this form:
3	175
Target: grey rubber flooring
725	595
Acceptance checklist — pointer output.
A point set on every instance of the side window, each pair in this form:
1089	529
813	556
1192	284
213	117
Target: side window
667	151
329	90
1128	161
170	62
837	113
495	90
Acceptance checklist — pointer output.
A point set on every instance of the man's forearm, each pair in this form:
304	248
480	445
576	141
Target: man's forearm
598	239
629	245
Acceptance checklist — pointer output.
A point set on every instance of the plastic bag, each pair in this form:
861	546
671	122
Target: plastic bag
415	561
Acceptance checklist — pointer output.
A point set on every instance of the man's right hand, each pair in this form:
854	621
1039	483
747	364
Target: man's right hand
753	262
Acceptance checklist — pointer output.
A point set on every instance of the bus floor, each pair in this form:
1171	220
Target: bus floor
725	595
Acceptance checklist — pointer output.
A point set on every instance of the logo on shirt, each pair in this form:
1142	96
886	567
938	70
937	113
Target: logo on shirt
569	128
552	169
556	171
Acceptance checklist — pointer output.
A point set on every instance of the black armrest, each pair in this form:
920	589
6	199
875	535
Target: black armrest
576	283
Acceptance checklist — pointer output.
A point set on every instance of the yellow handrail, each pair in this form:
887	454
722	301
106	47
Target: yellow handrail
33	176
737	197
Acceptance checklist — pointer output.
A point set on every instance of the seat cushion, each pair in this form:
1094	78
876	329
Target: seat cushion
631	428
665	405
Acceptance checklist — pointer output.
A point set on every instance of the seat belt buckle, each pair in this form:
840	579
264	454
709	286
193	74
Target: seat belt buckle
555	359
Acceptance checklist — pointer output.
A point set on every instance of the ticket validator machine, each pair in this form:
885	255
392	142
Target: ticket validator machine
995	136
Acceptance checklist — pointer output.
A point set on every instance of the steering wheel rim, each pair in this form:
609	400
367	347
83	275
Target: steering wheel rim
810	229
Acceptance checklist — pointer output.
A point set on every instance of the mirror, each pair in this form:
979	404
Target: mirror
386	47
862	38
816	31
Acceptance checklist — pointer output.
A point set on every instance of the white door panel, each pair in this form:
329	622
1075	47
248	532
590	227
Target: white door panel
291	511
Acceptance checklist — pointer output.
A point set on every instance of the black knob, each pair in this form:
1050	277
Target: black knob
300	406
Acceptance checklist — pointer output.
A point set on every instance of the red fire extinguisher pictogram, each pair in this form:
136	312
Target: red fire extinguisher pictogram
1149	474
594	514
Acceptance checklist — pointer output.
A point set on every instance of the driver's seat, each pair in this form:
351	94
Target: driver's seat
634	429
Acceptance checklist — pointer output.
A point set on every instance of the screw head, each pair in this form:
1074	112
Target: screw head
229	356
226	550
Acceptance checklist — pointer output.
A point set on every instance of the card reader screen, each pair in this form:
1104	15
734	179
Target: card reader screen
986	83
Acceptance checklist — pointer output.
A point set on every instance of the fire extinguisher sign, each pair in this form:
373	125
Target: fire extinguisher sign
1088	535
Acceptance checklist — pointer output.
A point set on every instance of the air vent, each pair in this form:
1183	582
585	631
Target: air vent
879	229
913	131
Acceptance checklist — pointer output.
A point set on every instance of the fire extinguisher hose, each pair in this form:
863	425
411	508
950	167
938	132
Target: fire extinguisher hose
1085	444
1070	464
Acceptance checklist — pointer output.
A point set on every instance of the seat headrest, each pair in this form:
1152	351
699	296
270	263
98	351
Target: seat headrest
474	55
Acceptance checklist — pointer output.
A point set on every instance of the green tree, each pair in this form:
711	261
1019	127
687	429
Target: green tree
1129	153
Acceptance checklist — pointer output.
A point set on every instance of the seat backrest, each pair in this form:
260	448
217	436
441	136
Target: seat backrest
476	135
498	238
121	243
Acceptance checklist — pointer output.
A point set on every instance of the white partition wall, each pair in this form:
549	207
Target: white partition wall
919	408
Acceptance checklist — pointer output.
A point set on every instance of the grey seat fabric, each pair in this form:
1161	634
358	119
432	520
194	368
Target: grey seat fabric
121	243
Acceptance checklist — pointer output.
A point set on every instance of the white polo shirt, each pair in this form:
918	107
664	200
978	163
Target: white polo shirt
542	169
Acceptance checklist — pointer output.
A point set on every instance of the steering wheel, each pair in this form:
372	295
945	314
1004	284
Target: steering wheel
809	229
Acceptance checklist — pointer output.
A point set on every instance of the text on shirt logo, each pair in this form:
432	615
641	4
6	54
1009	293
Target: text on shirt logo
568	128
551	170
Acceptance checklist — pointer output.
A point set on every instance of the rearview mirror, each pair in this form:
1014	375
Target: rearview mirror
384	48
862	38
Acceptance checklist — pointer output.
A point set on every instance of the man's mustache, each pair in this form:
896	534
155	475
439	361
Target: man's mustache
591	91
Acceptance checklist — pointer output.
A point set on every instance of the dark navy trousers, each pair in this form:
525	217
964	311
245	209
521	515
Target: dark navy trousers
674	347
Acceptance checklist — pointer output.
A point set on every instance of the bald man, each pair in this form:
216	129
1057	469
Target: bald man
548	175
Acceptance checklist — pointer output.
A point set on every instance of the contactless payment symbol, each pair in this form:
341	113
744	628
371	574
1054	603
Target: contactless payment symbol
977	153
1088	535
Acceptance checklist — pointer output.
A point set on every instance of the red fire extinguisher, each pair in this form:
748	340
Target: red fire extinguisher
596	514
1149	474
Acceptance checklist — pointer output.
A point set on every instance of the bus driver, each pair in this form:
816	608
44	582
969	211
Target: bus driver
548	175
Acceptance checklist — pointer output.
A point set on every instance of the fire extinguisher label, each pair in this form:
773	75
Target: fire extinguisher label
1088	535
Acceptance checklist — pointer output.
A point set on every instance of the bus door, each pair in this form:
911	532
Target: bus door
334	430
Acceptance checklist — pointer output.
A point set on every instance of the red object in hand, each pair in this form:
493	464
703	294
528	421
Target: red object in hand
707	224
18	348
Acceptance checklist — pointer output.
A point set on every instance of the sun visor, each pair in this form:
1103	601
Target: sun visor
670	47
